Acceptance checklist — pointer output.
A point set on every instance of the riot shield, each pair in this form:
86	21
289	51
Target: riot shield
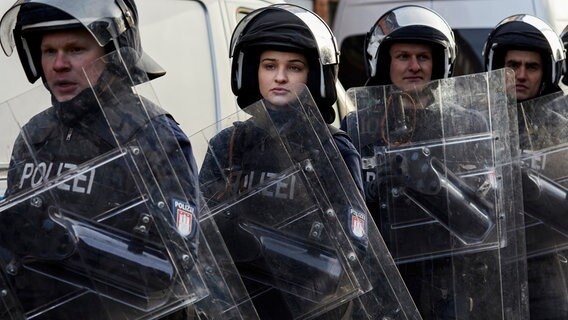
101	217
544	158
441	183
293	217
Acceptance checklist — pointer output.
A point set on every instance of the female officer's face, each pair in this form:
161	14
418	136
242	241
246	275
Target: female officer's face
278	73
63	56
411	65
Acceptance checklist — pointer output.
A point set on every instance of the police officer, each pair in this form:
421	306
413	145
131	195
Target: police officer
274	49
530	47
55	41
406	49
535	52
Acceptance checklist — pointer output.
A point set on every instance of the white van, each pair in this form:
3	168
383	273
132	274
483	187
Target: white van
471	20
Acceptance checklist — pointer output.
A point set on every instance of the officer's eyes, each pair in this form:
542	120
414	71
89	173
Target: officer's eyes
268	66
296	68
76	49
402	56
52	51
532	67
512	65
47	51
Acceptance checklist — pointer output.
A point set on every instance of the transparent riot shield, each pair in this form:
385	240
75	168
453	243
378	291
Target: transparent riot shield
101	215
441	183
293	218
544	156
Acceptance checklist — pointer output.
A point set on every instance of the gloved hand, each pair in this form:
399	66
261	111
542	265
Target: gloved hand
388	174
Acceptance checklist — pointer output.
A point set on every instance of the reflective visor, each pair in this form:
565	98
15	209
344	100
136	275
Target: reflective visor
327	45
410	16
556	45
103	18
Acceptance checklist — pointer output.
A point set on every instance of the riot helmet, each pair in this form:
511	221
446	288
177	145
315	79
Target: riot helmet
411	24
527	33
113	24
564	37
289	28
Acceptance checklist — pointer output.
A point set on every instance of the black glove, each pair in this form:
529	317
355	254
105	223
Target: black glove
387	176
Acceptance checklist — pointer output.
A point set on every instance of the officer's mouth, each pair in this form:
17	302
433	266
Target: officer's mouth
64	86
413	79
279	91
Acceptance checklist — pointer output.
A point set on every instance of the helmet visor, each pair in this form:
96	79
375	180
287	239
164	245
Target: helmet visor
409	16
327	45
556	46
105	19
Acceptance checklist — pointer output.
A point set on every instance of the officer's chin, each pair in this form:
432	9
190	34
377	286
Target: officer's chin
280	102
64	93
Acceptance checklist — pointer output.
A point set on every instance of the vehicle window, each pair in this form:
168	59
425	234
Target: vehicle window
470	46
352	71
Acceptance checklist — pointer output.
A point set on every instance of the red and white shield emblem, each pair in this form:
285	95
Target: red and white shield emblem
358	223
184	222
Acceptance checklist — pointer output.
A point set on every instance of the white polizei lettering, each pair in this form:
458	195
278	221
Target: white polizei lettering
49	167
91	180
262	176
63	186
79	187
39	174
76	187
266	192
184	206
292	187
28	171
281	187
248	179
370	176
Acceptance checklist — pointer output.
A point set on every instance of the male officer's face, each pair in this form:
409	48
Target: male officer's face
528	72
63	56
411	65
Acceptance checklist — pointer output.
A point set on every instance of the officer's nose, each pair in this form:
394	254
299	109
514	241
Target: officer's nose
414	66
521	73
281	75
60	62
